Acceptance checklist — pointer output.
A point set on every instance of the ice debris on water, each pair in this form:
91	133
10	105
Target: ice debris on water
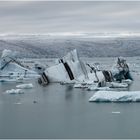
85	84
118	85
25	86
18	103
20	89
95	88
80	86
15	91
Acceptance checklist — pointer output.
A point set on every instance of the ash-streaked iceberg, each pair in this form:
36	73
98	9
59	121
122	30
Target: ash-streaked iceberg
69	68
12	70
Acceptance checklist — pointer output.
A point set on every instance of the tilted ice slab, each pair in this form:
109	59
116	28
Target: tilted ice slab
69	68
25	86
116	96
11	70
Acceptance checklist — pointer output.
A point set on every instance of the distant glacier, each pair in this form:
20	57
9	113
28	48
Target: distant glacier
45	46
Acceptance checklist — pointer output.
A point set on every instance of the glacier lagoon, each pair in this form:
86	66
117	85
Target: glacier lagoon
61	111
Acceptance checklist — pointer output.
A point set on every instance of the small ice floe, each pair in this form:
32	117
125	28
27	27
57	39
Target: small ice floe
79	85
8	80
116	96
118	85
14	91
96	88
19	79
18	103
84	84
25	86
115	112
128	81
67	83
11	79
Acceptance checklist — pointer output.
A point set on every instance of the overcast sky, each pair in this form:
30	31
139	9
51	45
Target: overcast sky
45	17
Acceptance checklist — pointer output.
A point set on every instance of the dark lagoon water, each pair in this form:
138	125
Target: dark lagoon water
61	111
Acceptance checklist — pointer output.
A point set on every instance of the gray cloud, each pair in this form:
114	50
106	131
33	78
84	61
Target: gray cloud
47	16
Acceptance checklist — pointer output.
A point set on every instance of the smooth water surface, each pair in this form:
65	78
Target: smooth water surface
61	111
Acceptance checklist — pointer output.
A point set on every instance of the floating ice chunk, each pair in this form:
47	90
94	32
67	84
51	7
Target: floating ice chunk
19	79
10	80
18	103
69	82
118	85
84	84
79	85
116	96
25	86
14	91
128	81
88	82
95	88
115	112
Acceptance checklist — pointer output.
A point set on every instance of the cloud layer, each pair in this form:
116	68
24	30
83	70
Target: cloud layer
47	16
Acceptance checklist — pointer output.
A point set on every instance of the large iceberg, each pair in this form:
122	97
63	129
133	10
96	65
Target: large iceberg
11	69
69	68
116	96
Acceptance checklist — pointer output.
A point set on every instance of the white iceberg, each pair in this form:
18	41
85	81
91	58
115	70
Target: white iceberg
69	68
25	86
13	70
14	91
116	96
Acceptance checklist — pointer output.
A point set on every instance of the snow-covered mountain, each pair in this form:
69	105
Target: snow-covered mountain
47	46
